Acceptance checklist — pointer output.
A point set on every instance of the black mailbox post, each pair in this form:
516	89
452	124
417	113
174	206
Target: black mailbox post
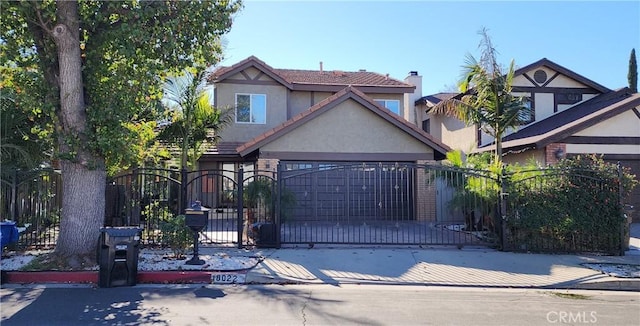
118	256
196	219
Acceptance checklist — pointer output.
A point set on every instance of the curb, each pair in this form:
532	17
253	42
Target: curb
204	277
84	277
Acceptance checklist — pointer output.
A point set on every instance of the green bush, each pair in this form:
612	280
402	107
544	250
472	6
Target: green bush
176	235
574	206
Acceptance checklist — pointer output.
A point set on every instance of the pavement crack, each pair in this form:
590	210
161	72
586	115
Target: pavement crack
304	308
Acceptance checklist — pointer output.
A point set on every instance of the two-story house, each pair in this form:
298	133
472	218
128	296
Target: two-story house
309	118
572	115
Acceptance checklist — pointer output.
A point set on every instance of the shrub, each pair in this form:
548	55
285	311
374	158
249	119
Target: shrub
177	235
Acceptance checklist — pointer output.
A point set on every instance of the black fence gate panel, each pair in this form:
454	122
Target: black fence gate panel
216	190
383	203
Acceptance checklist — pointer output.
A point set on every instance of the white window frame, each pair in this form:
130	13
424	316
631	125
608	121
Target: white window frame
384	103
251	109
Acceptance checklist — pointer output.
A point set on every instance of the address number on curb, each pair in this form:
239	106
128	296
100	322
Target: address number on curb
228	278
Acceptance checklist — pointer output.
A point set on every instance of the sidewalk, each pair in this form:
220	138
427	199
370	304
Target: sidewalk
438	266
442	267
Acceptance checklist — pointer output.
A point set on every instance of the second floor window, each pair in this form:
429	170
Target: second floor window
251	108
392	105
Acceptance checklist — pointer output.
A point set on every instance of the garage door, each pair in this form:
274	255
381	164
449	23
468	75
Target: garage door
350	191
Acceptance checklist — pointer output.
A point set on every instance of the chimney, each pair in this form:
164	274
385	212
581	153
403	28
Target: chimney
413	115
320	66
386	76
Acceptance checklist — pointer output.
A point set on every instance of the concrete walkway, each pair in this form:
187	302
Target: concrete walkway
442	267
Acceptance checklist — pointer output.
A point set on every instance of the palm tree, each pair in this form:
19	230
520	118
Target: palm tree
486	99
190	117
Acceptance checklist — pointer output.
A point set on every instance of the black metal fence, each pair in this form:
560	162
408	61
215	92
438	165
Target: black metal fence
306	203
553	210
33	199
386	203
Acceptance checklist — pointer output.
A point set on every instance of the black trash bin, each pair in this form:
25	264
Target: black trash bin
118	256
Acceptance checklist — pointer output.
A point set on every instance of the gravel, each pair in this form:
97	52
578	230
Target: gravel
153	260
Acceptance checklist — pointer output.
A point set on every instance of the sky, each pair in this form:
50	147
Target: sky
591	38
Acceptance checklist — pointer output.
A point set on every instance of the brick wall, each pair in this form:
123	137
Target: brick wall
554	150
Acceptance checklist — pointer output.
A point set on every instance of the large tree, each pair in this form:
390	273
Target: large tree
98	62
632	75
486	98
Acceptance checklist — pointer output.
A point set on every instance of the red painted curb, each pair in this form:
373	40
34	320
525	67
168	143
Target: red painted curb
158	277
180	277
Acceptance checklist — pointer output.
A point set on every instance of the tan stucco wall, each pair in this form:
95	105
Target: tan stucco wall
602	149
538	155
521	81
276	97
543	104
625	124
564	81
347	128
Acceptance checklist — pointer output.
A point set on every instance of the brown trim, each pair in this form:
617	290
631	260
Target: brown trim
550	79
554	90
527	77
331	102
251	82
602	140
635	110
544	62
621	157
245	75
364	89
259	75
329	156
289	106
590	120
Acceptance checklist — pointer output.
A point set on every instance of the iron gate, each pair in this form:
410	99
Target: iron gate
386	203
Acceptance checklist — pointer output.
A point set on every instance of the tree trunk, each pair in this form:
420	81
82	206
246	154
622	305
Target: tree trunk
83	173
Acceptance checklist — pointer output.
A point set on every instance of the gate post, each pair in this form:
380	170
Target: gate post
14	196
183	191
240	205
278	217
624	221
503	208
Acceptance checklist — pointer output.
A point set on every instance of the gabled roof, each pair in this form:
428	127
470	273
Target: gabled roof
554	66
347	93
303	79
566	123
225	72
434	98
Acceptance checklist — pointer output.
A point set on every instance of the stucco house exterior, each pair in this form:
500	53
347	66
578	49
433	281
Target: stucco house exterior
572	115
308	118
285	114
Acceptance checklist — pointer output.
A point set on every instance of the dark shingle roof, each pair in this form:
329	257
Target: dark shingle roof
434	98
565	123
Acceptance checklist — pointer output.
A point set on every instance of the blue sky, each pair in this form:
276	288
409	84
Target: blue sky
591	38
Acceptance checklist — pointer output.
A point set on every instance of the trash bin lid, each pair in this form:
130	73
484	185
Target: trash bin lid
121	231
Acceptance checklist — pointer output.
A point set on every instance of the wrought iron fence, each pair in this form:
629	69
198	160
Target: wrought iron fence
553	210
306	203
387	203
33	200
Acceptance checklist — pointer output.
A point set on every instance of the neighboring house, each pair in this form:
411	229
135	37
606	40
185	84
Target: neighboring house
304	118
572	115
